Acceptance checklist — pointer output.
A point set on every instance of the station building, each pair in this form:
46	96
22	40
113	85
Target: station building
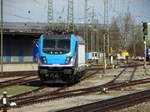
19	45
24	22
19	42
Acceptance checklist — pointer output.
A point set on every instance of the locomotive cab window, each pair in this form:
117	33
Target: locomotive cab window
64	45
48	44
56	45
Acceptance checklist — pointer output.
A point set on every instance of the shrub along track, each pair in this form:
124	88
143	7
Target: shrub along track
112	85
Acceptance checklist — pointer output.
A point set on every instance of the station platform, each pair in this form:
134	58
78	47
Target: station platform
20	67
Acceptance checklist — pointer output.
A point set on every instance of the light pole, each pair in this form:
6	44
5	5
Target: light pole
104	53
106	23
1	36
86	8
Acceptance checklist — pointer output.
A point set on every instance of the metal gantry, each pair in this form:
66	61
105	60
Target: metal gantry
106	34
92	30
106	25
85	26
70	16
50	11
85	12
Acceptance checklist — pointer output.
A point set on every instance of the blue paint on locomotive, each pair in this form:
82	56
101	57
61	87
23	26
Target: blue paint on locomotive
53	59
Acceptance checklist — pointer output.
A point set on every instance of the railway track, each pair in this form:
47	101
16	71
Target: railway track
73	93
123	76
23	95
24	77
26	74
111	104
112	85
15	74
130	64
31	97
17	81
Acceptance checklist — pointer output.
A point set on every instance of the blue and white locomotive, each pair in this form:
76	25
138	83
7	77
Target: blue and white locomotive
61	58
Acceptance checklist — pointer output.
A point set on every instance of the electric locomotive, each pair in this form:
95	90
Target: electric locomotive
61	58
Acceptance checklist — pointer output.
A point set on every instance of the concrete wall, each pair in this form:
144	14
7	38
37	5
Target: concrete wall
20	67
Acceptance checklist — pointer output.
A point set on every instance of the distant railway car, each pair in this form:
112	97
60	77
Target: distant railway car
61	58
94	57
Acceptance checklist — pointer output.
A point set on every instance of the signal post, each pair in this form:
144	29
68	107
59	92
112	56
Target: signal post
145	38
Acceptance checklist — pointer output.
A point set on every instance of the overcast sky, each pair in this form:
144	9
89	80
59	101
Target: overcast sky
36	10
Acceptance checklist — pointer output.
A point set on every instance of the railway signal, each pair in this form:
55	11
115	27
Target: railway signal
145	38
145	30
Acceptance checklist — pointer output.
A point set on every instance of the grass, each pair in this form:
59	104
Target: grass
137	108
144	86
107	76
17	89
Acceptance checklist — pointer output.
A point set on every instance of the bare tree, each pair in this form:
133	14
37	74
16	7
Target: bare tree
114	35
125	23
136	47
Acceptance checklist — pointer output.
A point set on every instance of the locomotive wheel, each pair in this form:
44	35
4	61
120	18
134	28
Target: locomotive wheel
42	77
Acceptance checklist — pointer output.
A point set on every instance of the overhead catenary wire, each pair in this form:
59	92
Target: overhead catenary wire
70	16
50	13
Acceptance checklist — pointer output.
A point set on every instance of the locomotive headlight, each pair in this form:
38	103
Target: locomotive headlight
68	59
72	60
43	58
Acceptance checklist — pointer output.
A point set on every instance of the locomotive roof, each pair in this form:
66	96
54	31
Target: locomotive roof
62	36
56	36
